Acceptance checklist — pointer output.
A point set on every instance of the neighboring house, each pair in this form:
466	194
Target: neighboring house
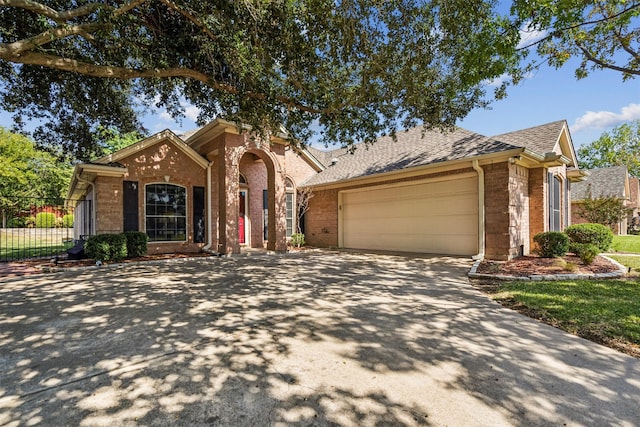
602	182
457	193
633	220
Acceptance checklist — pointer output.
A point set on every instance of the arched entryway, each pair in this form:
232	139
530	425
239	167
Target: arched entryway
252	202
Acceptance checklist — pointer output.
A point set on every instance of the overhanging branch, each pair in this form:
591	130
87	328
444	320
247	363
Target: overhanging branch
108	71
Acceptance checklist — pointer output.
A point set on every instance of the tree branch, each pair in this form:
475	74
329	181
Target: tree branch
60	17
108	71
17	48
581	24
604	64
195	21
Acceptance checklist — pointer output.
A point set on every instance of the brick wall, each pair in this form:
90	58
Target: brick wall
497	211
296	167
538	203
321	221
518	211
150	166
108	202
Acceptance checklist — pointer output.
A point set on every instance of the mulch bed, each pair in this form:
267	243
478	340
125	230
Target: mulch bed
533	265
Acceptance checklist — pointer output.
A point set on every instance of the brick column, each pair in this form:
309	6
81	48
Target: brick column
228	187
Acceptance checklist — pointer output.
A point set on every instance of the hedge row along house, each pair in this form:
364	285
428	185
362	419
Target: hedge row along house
219	189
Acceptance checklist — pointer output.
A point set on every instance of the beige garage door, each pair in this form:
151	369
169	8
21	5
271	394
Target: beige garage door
430	217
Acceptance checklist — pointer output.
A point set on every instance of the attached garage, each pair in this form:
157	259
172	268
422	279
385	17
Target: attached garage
435	216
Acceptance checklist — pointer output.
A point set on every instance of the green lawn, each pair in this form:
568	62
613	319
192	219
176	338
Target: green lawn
629	261
603	311
628	244
22	243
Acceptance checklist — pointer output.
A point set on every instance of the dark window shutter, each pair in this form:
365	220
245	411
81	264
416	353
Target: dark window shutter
130	205
198	215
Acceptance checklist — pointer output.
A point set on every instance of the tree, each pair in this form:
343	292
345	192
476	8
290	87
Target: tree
603	210
620	147
28	172
110	140
355	68
303	198
603	34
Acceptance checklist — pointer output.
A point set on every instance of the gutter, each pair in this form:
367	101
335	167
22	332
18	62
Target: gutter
481	218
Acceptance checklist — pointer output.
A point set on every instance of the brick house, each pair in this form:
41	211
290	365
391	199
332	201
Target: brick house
219	189
605	182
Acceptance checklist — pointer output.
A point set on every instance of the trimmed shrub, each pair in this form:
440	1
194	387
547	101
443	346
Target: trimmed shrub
586	251
45	220
595	234
551	244
59	222
106	247
297	239
67	221
17	222
136	243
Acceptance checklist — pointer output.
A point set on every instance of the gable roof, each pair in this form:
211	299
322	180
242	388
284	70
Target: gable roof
416	147
602	182
412	149
542	139
165	135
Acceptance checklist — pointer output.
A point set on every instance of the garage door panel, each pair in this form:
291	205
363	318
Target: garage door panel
436	217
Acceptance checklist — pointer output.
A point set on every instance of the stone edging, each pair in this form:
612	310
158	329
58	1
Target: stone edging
621	272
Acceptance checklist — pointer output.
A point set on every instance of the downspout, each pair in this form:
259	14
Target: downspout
209	214
93	203
481	219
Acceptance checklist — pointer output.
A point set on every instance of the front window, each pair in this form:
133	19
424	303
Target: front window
289	204
166	213
555	186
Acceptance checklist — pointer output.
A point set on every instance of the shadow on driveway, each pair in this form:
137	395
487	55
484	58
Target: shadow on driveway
319	338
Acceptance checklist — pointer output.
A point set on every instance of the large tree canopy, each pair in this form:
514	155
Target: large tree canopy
620	147
604	34
351	68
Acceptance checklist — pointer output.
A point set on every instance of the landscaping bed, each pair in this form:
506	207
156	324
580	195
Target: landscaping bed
533	265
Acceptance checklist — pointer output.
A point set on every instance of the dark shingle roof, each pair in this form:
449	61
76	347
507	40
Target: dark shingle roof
603	182
411	149
541	139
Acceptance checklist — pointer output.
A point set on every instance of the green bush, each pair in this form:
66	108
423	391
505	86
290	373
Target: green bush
67	221
18	222
297	239
45	220
106	247
586	251
595	234
551	244
30	222
136	243
59	222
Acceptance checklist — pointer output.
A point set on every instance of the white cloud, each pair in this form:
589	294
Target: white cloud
605	119
190	111
530	35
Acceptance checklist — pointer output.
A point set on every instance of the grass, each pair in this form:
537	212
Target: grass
22	243
629	261
605	311
628	244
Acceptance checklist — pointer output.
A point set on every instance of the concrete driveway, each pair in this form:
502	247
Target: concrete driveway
318	338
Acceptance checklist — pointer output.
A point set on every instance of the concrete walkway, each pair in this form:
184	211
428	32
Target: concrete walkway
308	339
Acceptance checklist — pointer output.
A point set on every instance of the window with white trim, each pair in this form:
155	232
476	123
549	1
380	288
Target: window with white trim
290	206
166	212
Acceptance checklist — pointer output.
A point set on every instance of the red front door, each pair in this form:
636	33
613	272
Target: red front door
241	216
